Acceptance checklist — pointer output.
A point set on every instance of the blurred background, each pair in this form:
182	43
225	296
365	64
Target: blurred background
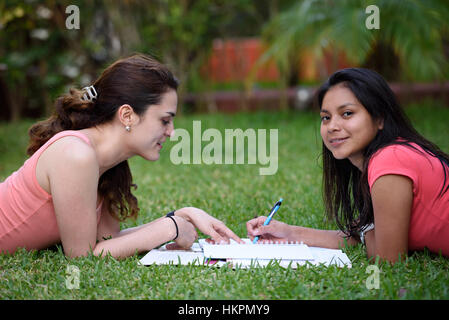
230	55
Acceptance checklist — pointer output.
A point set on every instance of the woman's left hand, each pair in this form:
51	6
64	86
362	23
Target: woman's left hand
208	225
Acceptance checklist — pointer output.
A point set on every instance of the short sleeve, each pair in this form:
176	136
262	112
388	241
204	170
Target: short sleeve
395	159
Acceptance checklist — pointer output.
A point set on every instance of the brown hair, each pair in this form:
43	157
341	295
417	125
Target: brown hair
139	81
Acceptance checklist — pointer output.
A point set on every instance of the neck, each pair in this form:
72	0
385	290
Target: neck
357	161
105	140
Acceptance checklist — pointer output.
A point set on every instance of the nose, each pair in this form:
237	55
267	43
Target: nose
170	130
333	125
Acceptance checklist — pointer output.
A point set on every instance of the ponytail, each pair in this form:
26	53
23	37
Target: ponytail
138	80
71	113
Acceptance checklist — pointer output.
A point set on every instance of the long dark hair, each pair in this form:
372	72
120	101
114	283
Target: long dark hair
139	81
346	191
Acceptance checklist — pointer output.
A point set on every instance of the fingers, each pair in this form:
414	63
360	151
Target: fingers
227	233
266	233
219	233
253	224
261	230
173	246
216	237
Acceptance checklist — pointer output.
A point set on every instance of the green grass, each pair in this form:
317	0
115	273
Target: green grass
234	194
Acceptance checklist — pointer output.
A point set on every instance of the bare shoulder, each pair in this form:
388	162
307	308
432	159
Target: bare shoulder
68	155
69	151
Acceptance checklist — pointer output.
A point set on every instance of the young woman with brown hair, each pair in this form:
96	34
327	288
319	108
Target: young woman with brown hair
76	186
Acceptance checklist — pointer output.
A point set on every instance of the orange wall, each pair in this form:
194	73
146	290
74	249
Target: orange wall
232	60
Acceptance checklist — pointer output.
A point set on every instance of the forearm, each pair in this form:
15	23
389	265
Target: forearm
179	212
141	239
390	253
333	239
134	229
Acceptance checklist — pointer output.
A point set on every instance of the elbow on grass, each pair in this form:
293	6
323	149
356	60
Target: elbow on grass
391	258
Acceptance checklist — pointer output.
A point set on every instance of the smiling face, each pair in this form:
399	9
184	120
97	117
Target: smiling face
156	125
347	128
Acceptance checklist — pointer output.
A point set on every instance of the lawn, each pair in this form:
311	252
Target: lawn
233	193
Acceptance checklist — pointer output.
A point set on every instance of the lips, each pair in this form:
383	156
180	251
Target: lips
337	141
159	144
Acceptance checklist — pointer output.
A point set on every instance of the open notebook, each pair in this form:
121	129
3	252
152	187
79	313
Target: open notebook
247	255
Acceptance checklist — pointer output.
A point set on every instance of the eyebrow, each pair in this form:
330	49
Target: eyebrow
171	114
339	107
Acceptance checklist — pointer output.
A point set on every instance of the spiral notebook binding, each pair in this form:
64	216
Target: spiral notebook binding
291	250
271	242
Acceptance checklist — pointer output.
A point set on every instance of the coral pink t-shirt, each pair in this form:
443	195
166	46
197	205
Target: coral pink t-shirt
27	215
429	221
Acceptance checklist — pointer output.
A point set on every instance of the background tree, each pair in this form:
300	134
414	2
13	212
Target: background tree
41	58
408	45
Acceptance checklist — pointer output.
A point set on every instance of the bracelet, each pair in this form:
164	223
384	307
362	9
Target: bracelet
365	230
170	215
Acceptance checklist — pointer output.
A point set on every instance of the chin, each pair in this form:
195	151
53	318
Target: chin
340	155
151	157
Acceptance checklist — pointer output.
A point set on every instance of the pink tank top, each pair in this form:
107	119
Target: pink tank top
27	215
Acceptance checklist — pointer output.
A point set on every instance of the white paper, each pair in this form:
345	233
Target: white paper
163	256
321	256
175	257
195	255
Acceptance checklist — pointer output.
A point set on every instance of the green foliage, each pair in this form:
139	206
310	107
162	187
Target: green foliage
234	194
414	29
44	58
182	32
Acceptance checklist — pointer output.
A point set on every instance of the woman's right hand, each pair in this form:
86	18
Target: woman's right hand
274	231
187	234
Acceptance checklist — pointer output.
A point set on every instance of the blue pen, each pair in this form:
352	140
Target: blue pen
270	216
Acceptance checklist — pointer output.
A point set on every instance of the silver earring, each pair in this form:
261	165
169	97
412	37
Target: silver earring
128	128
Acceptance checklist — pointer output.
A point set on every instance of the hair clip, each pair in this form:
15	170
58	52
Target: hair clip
90	93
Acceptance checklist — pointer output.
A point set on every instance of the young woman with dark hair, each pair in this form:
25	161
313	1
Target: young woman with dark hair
382	180
76	186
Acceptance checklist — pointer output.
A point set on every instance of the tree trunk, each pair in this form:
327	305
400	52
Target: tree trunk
16	102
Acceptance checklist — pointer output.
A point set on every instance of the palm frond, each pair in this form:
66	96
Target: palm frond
412	27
